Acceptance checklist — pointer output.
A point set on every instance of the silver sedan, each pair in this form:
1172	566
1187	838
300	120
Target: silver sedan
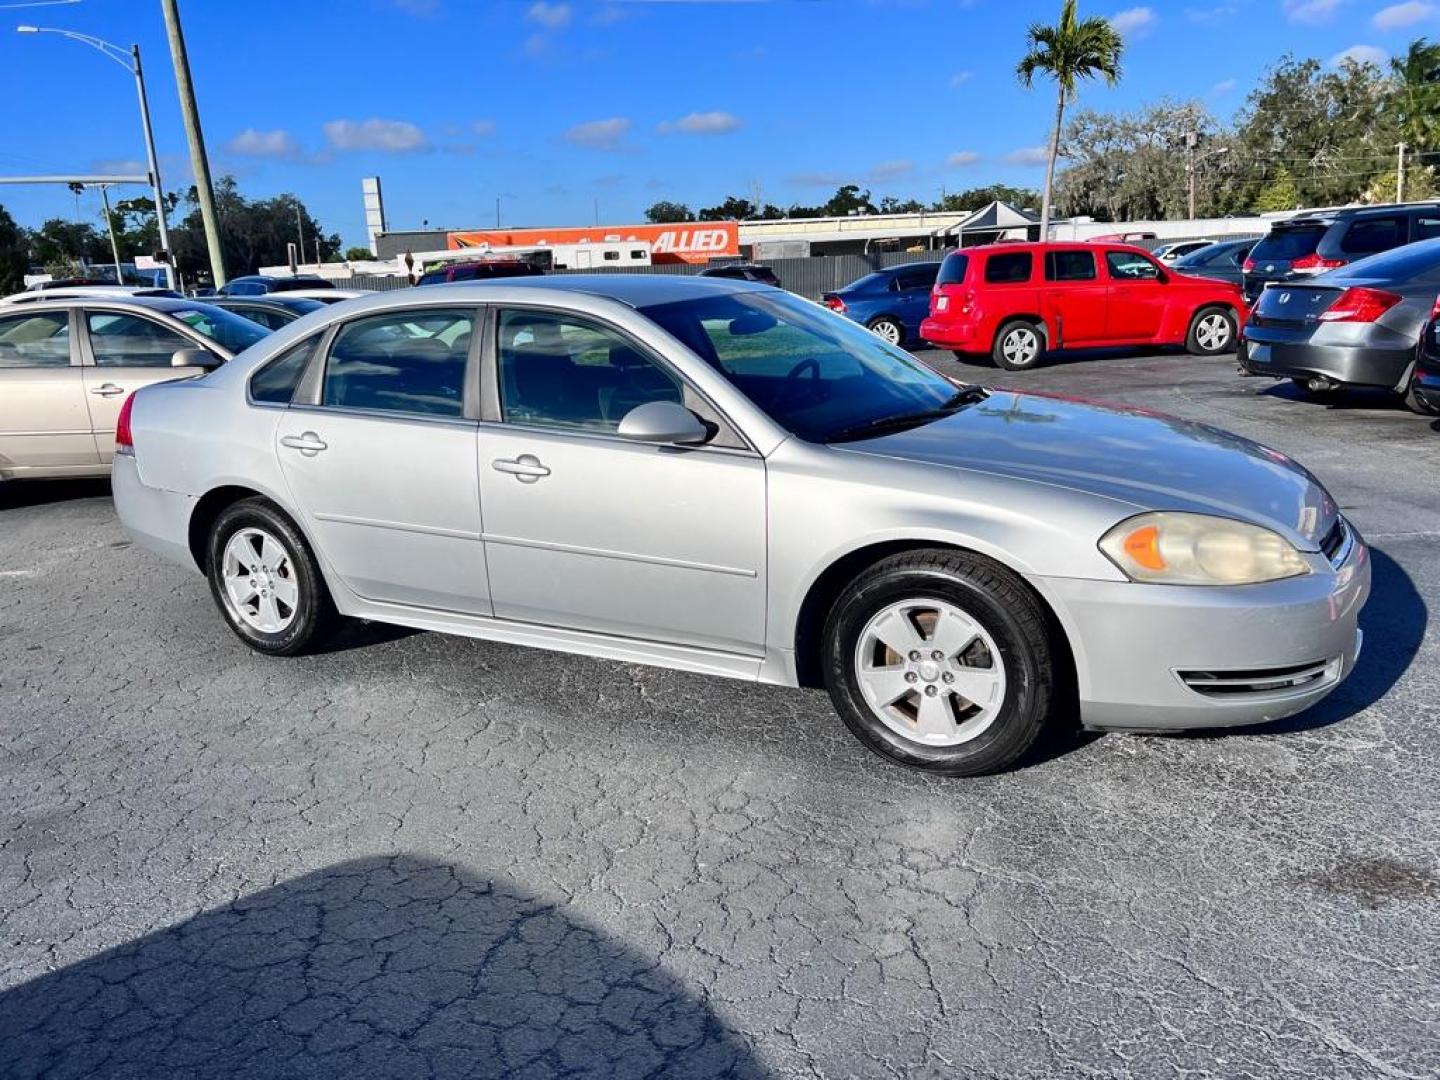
716	476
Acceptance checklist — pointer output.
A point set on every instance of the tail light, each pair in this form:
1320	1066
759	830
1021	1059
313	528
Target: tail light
1359	305
1314	264
1435	308
124	440
834	303
1248	266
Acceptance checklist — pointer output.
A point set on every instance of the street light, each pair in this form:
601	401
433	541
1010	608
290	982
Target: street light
129	59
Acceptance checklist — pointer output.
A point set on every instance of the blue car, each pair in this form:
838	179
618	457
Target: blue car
890	302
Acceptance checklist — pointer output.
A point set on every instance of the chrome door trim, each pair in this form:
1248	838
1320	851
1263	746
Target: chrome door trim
399	526
624	556
381	414
79	431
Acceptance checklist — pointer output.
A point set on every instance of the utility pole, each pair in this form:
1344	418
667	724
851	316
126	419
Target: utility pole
1400	174
190	113
110	224
300	228
1192	141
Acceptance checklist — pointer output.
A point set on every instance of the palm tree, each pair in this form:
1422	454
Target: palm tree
1068	51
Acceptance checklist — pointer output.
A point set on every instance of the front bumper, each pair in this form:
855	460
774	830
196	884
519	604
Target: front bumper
1174	657
1348	364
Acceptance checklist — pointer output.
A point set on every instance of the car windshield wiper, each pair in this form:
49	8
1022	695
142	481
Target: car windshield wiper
966	395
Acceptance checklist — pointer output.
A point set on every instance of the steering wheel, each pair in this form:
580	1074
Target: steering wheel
793	375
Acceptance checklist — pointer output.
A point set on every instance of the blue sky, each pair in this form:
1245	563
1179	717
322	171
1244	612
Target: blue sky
557	105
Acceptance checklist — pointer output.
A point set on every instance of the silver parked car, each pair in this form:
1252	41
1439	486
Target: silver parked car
718	476
67	363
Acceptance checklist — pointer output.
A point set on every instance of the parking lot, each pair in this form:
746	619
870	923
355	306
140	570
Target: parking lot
418	855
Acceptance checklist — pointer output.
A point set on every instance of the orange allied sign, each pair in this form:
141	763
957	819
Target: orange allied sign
686	241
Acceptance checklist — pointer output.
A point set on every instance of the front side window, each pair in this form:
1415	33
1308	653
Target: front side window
29	341
1070	266
404	361
1009	269
122	340
918	279
814	373
1131	266
561	371
275	383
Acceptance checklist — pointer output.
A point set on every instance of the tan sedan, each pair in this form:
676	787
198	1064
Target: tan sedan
68	364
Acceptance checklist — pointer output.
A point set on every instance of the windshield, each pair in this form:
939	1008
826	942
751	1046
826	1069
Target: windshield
816	374
1289	244
232	332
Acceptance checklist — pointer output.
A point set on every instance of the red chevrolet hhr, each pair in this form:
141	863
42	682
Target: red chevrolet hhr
1016	301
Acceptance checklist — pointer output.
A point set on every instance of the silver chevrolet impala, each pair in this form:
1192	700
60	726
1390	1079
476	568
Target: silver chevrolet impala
717	476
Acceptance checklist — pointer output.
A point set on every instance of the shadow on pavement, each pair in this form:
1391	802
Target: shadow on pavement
1348	399
385	967
15	494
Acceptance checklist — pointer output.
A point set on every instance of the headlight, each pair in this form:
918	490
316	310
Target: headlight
1195	549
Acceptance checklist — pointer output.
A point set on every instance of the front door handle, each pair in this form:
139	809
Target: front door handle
526	468
308	443
108	389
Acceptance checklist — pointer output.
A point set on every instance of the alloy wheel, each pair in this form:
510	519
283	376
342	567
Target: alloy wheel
259	578
1021	346
1213	332
887	330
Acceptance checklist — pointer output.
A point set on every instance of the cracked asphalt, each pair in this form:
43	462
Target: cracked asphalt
423	856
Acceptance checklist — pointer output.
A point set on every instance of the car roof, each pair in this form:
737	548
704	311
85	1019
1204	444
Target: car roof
163	304
1344	213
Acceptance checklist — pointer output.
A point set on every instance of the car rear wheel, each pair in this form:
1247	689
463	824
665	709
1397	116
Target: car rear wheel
889	329
940	661
265	580
1212	331
1018	346
1415	403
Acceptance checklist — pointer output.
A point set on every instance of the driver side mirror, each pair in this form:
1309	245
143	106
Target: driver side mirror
194	358
663	422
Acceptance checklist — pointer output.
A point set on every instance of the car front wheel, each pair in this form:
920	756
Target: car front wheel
1212	331
265	580
941	661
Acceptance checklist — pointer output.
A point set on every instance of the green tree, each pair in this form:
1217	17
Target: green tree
14	256
358	254
733	208
253	233
67	243
848	199
976	198
891	205
1071	50
1280	193
666	212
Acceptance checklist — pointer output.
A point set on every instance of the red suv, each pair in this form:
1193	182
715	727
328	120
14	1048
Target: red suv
1016	301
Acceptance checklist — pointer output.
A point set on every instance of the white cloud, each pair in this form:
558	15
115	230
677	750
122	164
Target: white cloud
819	179
702	123
1134	22
1224	86
599	134
963	159
960	78
483	127
1360	54
1028	155
1311	11
891	170
550	16
389	136
1210	16
1398	16
253	143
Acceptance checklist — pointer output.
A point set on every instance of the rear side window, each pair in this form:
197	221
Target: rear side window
1070	266
1289	244
275	383
1427	227
406	361
1366	236
1008	269
952	270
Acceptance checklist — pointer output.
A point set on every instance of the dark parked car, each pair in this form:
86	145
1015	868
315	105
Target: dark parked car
273	310
1356	326
261	284
1317	241
1423	394
478	270
1222	260
891	302
743	272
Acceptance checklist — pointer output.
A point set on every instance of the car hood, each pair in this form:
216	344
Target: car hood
1146	459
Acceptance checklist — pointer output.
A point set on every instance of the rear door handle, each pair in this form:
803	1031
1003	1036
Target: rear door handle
108	389
526	468
308	443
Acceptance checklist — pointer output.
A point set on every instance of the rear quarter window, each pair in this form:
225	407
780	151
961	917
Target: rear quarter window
1010	268
1366	236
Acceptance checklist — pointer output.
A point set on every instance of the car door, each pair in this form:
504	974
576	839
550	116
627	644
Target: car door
121	352
1135	298
913	285
1075	299
590	531
378	450
44	423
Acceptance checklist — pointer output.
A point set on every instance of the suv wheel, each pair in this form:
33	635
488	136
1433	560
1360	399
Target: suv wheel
265	580
889	329
1212	331
1018	346
940	660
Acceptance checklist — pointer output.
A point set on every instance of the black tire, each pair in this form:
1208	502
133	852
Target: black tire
1415	404
1202	318
1017	328
888	329
313	617
996	600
